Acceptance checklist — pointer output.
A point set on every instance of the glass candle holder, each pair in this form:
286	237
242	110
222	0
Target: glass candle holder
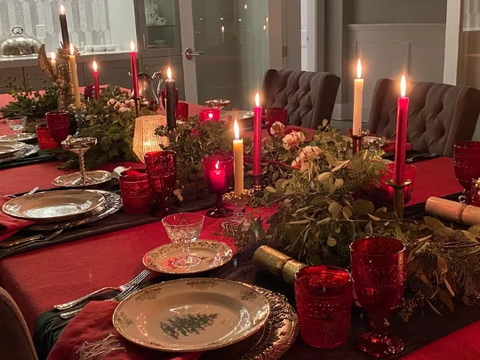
136	191
162	174
273	116
388	192
209	115
58	123
45	140
182	111
217	172
466	162
324	299
379	274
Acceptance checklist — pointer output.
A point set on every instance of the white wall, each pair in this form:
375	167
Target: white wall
122	23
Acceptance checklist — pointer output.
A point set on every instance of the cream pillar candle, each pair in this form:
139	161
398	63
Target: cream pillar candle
238	160
358	101
72	63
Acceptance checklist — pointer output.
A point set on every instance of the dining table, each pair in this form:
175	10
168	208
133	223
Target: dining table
40	278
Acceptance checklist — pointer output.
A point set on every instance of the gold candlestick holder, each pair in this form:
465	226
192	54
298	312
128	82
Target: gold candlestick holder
357	141
399	195
257	180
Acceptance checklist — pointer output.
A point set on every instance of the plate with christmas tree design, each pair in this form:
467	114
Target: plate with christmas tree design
191	315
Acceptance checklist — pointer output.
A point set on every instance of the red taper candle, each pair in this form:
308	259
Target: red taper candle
134	70
257	137
401	140
95	80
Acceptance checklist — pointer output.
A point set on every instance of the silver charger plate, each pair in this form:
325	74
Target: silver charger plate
113	203
71	180
235	114
27	150
21	137
7	150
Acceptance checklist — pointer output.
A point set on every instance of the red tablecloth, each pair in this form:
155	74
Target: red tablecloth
39	279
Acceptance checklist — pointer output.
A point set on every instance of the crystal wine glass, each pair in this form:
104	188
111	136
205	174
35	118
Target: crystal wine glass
58	124
80	146
17	124
379	274
162	174
218	104
184	229
466	162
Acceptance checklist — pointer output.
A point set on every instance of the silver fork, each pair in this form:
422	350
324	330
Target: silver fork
137	280
120	297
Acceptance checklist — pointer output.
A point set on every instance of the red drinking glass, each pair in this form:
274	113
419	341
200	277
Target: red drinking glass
59	124
45	140
275	115
324	300
217	172
379	274
162	174
388	192
136	192
209	114
182	111
466	162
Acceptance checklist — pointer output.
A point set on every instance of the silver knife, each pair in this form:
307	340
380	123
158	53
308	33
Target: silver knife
33	239
8	244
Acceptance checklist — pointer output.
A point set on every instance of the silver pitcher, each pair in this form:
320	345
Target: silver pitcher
147	90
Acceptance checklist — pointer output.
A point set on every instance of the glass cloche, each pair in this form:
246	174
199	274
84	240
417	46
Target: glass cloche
19	44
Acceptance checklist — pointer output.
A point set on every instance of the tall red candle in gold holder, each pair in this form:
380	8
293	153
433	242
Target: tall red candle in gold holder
257	137
401	140
95	80
134	70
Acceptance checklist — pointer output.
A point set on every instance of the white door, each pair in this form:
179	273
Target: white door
231	43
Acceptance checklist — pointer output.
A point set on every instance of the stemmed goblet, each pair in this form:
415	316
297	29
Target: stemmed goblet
379	274
217	171
466	162
162	174
80	146
184	229
17	124
218	104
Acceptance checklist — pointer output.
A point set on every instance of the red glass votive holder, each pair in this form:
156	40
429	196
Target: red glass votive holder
59	124
275	115
388	192
209	114
466	163
162	174
324	300
136	192
45	140
217	172
163	96
182	111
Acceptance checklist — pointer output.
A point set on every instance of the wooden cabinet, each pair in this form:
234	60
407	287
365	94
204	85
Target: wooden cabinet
10	75
37	80
111	72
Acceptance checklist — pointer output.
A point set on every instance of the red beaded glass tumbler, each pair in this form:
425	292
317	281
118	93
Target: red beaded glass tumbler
181	113
466	162
45	140
388	192
136	191
217	171
324	300
162	174
274	115
379	274
59	124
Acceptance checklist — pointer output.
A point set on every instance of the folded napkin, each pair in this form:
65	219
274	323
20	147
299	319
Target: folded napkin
10	225
91	333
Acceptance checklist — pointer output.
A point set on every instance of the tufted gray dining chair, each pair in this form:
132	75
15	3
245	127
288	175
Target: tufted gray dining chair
439	114
15	340
309	97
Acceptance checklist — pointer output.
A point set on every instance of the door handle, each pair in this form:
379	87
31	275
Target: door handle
189	53
144	42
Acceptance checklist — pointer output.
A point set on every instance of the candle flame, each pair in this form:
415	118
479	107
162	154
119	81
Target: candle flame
217	165
53	55
236	130
403	86
94	65
210	116
359	69
257	100
72	50
62	9
169	73
132	46
223	29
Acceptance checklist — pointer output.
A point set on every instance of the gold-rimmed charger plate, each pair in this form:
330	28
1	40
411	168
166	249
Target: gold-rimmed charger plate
72	180
52	206
189	315
212	254
21	137
9	149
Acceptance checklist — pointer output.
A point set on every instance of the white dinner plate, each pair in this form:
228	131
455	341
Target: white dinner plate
14	137
53	206
189	315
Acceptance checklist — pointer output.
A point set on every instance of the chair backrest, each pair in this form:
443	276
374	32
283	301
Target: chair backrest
15	340
439	114
309	97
